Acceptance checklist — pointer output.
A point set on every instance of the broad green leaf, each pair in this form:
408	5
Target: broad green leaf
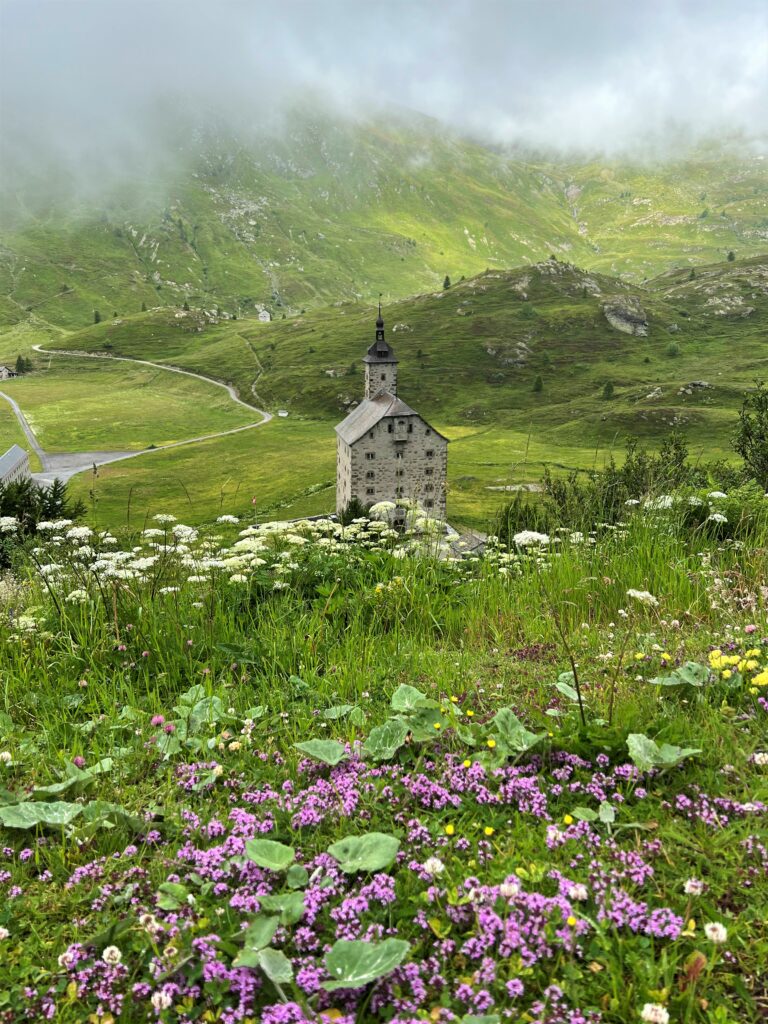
647	754
385	740
584	814
256	712
607	812
172	896
689	674
483	1018
207	711
276	965
371	852
509	731
29	815
259	934
407	698
328	751
191	696
357	718
339	711
6	724
297	876
355	964
565	686
423	721
268	853
289	905
104	812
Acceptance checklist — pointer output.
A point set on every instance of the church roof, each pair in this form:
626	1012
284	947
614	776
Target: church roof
380	352
10	460
369	412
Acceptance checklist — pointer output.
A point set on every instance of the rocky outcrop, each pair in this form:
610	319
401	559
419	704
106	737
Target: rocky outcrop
626	315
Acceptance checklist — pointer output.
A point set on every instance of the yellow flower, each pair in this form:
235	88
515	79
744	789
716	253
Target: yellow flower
568	819
753	690
436	725
666	657
691	926
727	673
454	700
751	664
491	743
761	679
449	830
488	830
753	653
571	921
470	713
467	763
639	656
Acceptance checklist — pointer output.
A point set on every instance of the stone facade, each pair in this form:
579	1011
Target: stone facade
385	450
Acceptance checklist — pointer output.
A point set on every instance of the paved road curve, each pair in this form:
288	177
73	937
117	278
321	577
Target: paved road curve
66	465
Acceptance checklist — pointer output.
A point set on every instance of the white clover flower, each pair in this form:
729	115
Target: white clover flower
5	757
161	1000
112	956
527	538
66	959
644	597
508	890
578	892
716	932
693	887
433	866
4	934
760	758
654	1013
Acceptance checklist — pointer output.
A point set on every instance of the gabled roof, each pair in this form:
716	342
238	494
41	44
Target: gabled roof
380	352
365	416
11	459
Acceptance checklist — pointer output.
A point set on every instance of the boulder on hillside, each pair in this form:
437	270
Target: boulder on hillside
626	315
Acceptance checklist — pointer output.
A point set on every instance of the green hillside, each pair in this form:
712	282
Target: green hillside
471	359
326	210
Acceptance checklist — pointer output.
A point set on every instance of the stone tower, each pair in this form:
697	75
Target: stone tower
380	364
385	451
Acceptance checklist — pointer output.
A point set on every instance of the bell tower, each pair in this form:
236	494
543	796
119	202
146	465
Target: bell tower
380	364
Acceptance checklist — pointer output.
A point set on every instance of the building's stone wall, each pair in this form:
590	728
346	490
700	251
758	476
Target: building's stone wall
380	376
400	457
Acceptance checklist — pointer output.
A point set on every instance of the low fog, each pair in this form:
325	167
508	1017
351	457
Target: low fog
81	81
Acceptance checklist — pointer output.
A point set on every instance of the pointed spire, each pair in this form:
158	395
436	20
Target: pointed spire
380	319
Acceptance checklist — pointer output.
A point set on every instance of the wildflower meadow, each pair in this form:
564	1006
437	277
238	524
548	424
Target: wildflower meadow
311	772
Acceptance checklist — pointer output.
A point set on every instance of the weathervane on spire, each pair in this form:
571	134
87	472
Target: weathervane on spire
380	323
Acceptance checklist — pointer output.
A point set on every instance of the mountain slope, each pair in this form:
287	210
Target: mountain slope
322	209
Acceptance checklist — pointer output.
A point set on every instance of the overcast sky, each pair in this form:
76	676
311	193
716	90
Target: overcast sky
591	74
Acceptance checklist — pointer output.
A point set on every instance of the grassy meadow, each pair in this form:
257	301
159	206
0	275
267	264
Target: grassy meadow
306	773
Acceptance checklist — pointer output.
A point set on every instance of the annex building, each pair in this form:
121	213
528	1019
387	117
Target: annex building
14	465
385	451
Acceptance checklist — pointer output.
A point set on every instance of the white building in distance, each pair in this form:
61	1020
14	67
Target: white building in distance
14	465
385	451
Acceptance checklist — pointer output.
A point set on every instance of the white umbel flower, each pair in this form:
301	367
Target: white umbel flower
654	1013
644	597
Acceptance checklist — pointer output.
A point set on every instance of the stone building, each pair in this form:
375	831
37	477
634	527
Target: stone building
385	451
14	465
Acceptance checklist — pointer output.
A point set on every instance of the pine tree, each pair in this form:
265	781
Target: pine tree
143	307
608	390
447	283
185	306
538	385
96	316
21	366
731	256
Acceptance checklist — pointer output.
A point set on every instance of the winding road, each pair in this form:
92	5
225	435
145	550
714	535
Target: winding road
63	466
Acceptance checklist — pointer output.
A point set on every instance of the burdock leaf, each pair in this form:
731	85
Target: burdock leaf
385	740
355	964
371	852
268	853
328	751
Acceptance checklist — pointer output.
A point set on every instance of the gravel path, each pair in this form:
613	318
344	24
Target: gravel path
65	465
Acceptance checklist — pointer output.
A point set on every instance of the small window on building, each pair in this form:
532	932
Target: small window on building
410	428
399	455
429	453
399	491
429	503
383	376
370	434
427	432
369	490
390	428
429	487
370	455
399	472
428	471
370	475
